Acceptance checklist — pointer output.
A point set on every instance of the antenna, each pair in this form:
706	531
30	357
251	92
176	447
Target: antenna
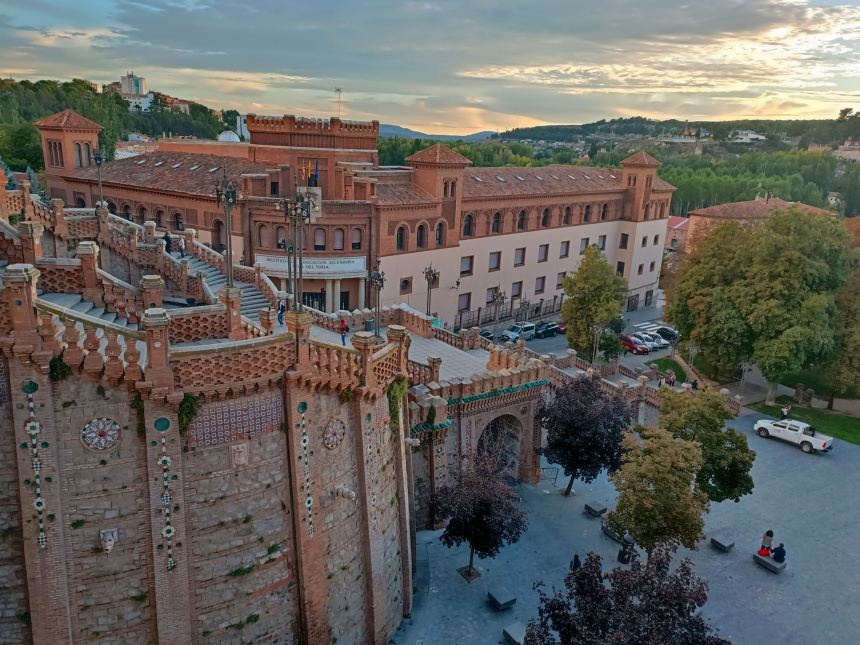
337	91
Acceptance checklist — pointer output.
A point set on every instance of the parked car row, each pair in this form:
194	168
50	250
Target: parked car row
639	342
527	331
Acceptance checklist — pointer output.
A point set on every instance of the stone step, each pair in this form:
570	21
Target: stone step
83	307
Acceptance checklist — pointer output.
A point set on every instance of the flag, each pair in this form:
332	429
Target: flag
317	174
303	170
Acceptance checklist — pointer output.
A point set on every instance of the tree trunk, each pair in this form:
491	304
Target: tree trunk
471	559
771	393
569	486
830	401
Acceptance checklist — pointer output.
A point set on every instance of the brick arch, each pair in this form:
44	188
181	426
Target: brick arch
264	239
443	224
361	237
428	233
505	433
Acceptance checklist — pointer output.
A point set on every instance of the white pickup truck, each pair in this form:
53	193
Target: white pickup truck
802	434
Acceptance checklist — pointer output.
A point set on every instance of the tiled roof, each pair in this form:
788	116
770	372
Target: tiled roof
393	194
557	179
440	154
678	223
68	119
758	208
641	159
156	171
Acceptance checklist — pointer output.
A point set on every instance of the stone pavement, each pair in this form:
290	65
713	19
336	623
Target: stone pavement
801	497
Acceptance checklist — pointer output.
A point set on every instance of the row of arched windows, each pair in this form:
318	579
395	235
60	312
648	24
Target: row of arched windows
83	155
656	210
282	238
421	242
497	220
449	189
55	153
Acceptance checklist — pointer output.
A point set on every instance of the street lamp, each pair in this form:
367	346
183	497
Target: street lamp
597	329
525	306
432	276
746	367
97	157
692	352
377	281
298	213
499	298
225	195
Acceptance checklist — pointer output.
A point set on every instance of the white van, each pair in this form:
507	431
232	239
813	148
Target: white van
526	331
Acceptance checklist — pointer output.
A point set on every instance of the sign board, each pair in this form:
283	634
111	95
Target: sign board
316	267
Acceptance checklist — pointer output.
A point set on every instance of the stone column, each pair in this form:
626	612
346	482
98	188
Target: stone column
436	365
31	240
300	324
284	285
232	298
361	289
329	307
336	295
398	334
88	253
153	288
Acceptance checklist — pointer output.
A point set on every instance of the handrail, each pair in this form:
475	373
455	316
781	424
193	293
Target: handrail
10	231
107	277
340	348
201	347
68	314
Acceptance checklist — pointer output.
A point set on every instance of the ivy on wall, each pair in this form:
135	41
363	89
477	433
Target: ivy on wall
395	392
58	370
137	405
188	410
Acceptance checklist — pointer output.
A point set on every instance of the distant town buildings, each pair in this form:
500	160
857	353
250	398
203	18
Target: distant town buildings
131	84
848	151
747	136
677	229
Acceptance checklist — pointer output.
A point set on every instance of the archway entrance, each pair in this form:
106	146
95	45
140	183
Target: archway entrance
502	438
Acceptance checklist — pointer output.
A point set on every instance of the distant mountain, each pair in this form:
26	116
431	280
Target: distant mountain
386	130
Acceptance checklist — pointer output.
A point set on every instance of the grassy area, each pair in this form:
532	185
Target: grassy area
836	424
665	364
704	366
814	378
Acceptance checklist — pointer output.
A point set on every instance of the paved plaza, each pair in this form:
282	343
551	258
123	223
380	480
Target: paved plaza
810	502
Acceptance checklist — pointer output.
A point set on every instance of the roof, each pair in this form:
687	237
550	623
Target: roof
641	158
758	208
394	194
438	154
676	223
156	171
68	119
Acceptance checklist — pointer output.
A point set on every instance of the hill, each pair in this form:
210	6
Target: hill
386	130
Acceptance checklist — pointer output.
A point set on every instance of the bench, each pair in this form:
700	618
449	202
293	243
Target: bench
515	634
722	543
595	508
501	598
610	532
769	563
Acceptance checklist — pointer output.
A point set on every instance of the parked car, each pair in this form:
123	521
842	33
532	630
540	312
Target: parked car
634	345
668	333
546	330
487	333
562	328
661	342
526	331
796	432
652	344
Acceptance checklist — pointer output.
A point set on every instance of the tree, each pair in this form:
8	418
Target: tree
726	457
481	510
610	346
843	369
585	426
595	294
647	603
659	499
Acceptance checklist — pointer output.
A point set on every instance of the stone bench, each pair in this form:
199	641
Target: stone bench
501	598
722	543
610	532
595	508
769	563
515	634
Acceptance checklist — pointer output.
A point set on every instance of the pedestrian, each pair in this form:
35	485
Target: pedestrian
671	379
695	384
281	309
344	328
784	411
180	244
625	349
661	383
575	563
767	540
167	243
779	553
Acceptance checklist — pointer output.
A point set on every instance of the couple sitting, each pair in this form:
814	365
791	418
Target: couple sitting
767	549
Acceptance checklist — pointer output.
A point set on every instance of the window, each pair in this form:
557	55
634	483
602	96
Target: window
319	240
601	242
495	261
673	244
466	265
543	252
624	239
652	268
558	279
519	257
521	221
178	222
641	269
440	234
87	154
453	189
619	268
604	212
544	220
656	240
406	285
467	226
539	284
583	244
647	210
565	249
464	301
274	188
356	239
401	238
567	216
662	210
497	223
644	241
587	214
112	211
445	190
78	160
338	239
516	290
281	237
491	293
420	238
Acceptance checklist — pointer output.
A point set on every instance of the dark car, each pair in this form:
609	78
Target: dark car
668	333
546	330
487	333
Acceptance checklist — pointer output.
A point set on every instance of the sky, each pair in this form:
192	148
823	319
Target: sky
456	66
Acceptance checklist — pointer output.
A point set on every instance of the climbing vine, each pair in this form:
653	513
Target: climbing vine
188	409
57	369
137	405
346	396
395	392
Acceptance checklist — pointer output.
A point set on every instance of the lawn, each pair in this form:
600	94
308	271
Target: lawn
704	366
665	364
814	378
836	424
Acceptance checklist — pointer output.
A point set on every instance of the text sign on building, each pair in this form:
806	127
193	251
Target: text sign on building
313	267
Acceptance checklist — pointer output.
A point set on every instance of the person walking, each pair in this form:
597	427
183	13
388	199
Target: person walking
281	309
167	243
575	563
784	411
779	553
180	244
344	328
767	540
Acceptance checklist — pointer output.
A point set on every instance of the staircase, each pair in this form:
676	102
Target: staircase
252	299
76	303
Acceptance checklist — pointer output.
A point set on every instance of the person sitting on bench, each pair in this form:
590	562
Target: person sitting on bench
779	553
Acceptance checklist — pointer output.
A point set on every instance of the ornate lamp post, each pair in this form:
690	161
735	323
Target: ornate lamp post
298	213
525	306
499	298
432	277
225	194
746	368
598	330
97	157
377	281
692	352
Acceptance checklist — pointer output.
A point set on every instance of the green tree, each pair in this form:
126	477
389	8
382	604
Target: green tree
843	369
726	457
21	147
595	294
659	499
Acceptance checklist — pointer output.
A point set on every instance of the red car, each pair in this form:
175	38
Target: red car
634	345
562	328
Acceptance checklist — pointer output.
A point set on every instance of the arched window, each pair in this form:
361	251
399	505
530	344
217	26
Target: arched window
281	237
159	218
544	220
80	203
453	189
60	160
356	239
421	237
111	208
467	226
263	236
440	235
87	154
662	210
218	238
401	239
319	240
567	216
497	223
338	239
142	214
126	213
634	180
78	161
179	223
604	212
445	190
647	210
521	221
587	214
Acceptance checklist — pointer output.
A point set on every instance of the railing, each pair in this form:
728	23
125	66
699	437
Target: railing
419	373
384	363
60	275
269	290
121	298
510	311
335	365
207	255
198	323
549	473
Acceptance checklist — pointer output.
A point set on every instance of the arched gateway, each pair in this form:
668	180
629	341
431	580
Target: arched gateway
503	436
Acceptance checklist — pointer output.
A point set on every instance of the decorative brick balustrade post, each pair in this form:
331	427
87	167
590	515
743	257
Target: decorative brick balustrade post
190	234
31	240
103	216
231	297
436	365
300	324
153	288
268	317
20	282
149	232
88	253
398	334
365	341
155	323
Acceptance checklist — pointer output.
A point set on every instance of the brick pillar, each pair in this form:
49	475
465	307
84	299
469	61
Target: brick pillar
398	334
149	232
152	287
31	240
190	234
20	283
171	563
365	341
158	373
300	324
435	363
103	216
268	317
232	298
88	253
